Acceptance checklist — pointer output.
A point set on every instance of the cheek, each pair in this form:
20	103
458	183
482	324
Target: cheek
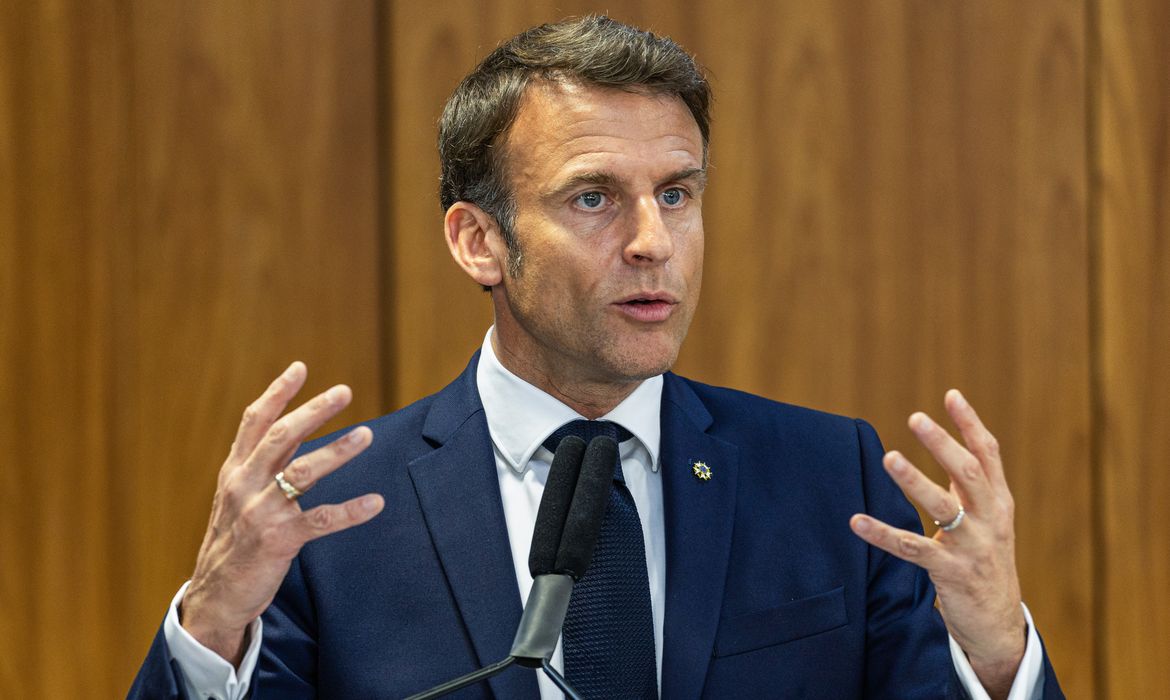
551	280
688	229
689	253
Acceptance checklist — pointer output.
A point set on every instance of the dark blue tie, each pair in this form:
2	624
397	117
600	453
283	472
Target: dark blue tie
608	633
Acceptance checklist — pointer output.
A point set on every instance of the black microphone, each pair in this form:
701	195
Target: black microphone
553	578
554	505
583	524
568	523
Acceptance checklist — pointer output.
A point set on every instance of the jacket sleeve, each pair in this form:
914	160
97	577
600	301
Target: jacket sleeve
907	654
288	658
159	677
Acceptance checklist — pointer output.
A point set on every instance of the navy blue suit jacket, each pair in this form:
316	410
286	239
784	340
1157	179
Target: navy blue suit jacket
768	592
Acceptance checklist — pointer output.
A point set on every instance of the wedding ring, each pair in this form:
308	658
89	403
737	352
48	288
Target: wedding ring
292	493
958	520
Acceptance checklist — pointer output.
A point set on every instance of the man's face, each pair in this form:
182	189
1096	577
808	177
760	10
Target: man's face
608	187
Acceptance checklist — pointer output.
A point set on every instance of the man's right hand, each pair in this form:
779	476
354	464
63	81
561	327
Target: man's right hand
255	530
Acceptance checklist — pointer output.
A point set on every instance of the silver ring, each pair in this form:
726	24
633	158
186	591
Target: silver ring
947	527
291	492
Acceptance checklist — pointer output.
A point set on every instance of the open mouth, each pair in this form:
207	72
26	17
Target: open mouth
647	309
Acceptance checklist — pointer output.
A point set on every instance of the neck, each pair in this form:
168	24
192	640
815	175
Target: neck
590	398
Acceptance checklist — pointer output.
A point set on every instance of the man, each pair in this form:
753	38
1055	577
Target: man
574	164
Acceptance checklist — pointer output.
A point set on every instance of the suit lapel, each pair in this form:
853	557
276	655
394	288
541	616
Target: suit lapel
459	495
698	517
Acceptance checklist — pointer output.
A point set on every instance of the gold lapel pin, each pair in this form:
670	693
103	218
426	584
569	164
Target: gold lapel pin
701	470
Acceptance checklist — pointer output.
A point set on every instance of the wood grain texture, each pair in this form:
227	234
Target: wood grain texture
63	115
1133	148
256	222
189	204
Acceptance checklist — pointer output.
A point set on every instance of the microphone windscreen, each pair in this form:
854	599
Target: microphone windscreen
583	524
554	505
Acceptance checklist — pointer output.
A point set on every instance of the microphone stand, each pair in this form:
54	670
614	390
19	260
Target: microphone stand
559	680
536	638
487	672
566	533
463	681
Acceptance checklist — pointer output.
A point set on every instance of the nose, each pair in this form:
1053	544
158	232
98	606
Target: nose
652	242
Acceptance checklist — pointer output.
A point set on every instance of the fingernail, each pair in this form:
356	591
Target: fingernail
355	436
291	371
897	465
369	502
920	422
334	395
862	524
960	400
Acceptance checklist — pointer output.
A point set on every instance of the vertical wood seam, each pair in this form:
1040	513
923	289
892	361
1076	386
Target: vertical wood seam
120	522
383	246
1093	223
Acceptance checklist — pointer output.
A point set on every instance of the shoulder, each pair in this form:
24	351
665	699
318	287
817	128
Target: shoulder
777	441
397	426
404	435
736	415
398	439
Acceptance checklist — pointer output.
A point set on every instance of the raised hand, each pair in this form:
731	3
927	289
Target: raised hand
971	558
256	528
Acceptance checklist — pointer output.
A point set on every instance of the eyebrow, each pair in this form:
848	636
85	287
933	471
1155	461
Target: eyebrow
697	175
605	178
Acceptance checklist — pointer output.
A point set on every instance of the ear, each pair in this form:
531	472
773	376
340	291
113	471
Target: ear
474	239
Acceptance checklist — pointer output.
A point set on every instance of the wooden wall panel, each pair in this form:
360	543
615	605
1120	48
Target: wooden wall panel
1133	152
189	204
65	189
257	239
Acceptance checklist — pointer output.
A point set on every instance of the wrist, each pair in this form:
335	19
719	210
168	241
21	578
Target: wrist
997	670
229	641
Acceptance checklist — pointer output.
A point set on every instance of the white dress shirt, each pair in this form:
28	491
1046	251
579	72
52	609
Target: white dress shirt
520	417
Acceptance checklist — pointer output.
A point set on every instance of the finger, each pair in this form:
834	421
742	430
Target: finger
264	411
978	438
327	519
903	544
964	468
939	503
291	429
304	471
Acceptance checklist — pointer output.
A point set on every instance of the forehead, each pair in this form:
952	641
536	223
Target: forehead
562	129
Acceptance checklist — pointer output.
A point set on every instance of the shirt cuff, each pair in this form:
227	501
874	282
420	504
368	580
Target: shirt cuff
1029	681
208	675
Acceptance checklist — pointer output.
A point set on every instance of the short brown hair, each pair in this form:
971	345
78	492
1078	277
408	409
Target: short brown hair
593	50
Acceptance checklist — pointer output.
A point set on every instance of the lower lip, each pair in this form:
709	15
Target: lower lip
652	312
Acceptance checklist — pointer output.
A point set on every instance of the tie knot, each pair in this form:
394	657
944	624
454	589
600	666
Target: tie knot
587	430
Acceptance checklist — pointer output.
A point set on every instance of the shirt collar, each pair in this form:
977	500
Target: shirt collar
520	416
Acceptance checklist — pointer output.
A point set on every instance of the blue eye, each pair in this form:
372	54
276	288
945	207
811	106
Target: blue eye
672	197
591	200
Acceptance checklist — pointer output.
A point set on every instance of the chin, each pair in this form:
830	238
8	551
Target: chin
644	362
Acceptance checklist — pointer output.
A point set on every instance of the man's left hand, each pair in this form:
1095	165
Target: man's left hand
972	561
